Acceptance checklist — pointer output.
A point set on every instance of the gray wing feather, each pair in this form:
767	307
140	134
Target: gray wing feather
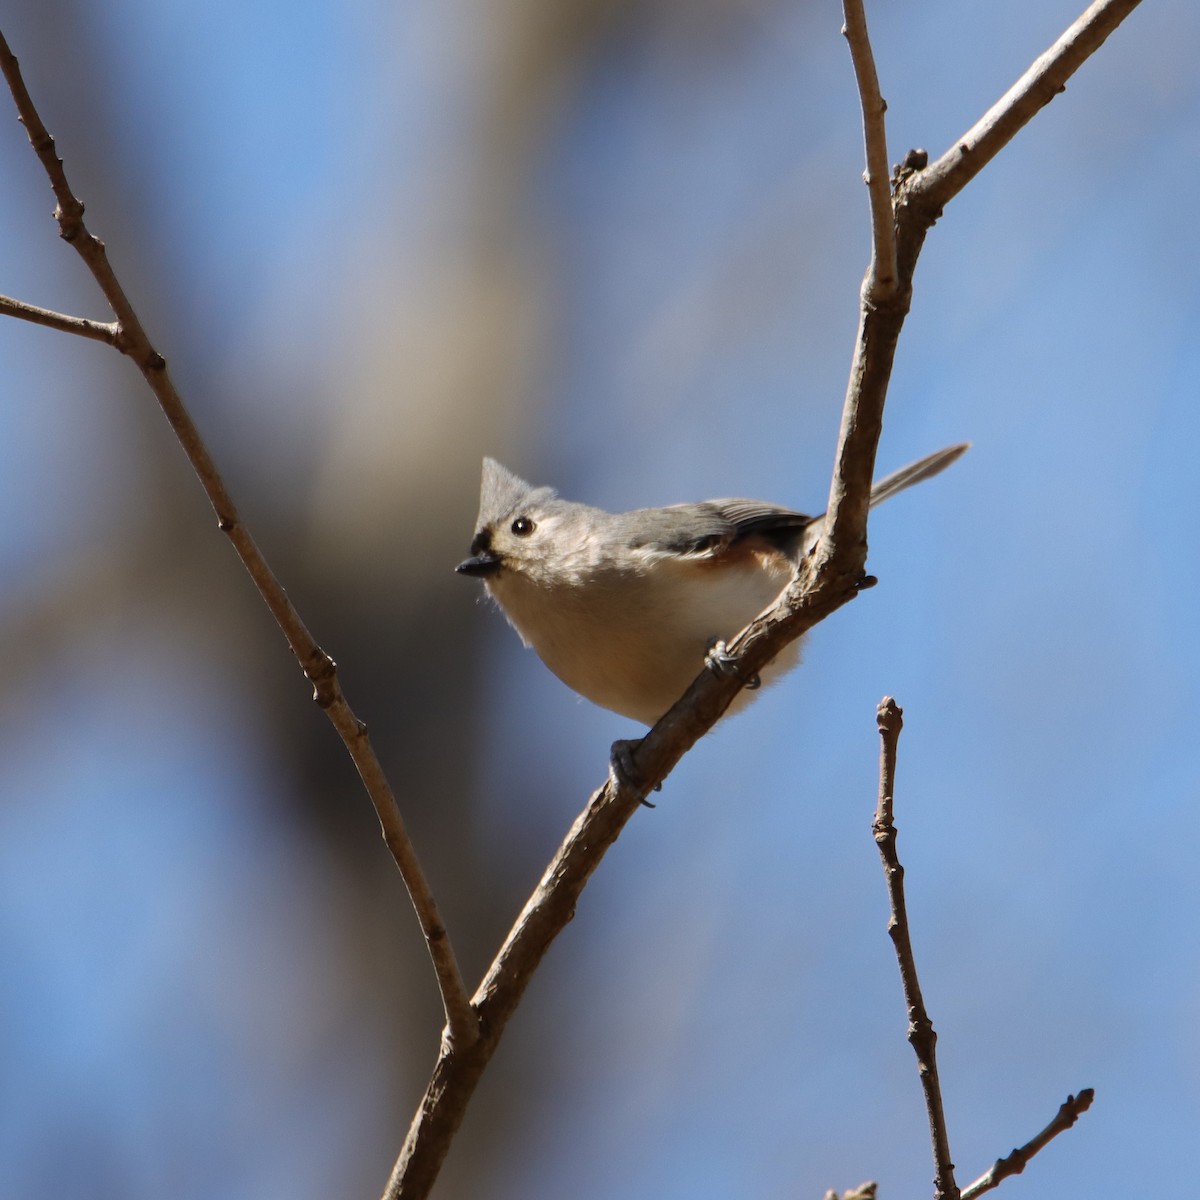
711	525
717	524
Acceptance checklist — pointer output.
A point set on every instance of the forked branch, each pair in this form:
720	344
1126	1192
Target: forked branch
832	575
921	1035
890	719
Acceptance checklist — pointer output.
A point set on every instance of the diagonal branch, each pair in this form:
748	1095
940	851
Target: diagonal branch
1013	1164
99	331
129	336
921	1035
930	190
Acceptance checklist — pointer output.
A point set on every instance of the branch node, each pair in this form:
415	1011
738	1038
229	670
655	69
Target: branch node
915	161
326	693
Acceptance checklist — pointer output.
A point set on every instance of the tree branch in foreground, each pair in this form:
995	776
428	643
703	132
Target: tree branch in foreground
830	576
129	336
890	718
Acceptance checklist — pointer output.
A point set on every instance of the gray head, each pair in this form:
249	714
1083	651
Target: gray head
528	530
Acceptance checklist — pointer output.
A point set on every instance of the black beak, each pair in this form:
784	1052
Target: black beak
481	565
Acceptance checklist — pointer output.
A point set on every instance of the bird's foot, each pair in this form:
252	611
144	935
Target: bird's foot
624	772
720	662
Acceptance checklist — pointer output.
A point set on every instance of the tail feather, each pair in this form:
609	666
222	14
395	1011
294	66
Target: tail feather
918	472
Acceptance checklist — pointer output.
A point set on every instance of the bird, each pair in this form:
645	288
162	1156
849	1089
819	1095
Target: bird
627	608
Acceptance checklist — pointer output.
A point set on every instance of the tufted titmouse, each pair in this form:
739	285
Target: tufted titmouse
625	608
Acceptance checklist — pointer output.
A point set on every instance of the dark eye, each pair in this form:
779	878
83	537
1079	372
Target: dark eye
523	527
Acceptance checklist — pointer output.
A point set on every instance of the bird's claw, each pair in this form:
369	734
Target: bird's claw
720	662
624	772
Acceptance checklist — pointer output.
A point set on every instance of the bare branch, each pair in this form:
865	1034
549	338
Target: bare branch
921	1035
1068	1113
881	278
939	183
890	718
544	916
131	339
831	575
98	331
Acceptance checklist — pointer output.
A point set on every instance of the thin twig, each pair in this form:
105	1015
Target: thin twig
99	331
1013	1164
890	718
921	1035
131	339
930	190
881	278
831	575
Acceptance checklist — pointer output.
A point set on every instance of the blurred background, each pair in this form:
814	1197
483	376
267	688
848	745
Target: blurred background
618	246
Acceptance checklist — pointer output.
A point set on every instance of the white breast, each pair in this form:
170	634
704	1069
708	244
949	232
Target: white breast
633	642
